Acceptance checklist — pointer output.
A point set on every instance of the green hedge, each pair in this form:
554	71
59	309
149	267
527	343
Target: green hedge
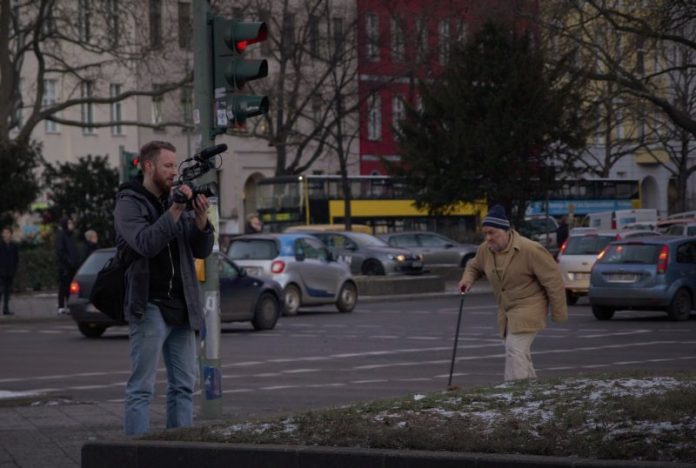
37	269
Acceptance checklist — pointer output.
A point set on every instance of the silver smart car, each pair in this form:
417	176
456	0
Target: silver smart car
302	265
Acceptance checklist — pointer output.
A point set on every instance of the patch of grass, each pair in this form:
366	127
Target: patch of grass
629	417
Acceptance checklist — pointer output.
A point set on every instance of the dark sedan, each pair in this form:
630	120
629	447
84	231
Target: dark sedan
434	248
369	255
242	297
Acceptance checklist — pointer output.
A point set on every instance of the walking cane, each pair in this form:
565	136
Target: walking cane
456	340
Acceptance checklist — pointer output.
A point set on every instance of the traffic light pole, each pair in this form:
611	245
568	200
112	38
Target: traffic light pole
209	356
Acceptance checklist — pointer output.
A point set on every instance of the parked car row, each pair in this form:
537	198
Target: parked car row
633	269
243	297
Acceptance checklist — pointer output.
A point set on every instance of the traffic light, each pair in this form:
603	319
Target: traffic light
129	165
231	72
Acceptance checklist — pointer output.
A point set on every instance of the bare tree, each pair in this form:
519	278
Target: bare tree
646	50
83	45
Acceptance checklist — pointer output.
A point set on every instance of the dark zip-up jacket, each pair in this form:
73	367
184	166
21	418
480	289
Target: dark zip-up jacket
140	226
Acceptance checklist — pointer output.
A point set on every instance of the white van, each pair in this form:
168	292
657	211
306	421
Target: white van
619	218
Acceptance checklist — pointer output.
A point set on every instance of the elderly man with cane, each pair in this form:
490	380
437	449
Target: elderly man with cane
526	283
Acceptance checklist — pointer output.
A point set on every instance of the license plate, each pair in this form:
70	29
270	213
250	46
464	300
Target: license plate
253	271
417	264
580	276
622	278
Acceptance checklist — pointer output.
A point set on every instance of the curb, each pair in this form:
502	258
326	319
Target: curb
159	454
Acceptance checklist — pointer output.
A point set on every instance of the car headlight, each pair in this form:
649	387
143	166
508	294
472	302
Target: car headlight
398	258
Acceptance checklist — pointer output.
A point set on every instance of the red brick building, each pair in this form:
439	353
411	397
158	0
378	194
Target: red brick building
401	42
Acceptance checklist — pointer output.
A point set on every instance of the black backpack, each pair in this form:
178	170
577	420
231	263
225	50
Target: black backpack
109	288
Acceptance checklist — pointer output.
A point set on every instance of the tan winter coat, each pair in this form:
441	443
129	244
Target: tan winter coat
530	282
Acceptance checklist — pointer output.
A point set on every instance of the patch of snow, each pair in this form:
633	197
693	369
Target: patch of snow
8	395
418	397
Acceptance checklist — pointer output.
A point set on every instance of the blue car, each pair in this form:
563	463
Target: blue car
649	273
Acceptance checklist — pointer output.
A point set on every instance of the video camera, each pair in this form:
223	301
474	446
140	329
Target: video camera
193	168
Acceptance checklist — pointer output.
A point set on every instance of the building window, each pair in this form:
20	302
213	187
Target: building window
421	40
599	127
398	111
185	25
49	99
84	19
372	35
443	34
87	108
462	32
316	108
337	24
112	22
313	27
374	118
398	47
288	33
186	99
155	23
619	116
116	116
265	16
157	102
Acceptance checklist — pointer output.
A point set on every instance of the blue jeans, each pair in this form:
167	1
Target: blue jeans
149	338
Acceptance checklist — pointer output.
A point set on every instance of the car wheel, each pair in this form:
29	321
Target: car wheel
91	331
266	312
466	260
680	308
602	313
347	298
372	268
293	299
571	299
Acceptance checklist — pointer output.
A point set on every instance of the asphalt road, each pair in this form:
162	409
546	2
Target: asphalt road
321	357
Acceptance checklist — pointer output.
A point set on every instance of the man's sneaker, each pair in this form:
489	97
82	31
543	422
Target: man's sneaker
63	311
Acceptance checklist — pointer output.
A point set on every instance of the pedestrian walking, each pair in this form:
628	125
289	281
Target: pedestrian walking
9	261
68	259
253	224
162	301
562	231
526	283
90	244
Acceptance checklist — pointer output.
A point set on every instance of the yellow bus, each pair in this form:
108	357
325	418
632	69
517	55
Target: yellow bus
380	202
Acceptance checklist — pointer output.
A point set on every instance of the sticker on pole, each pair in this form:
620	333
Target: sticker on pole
212	382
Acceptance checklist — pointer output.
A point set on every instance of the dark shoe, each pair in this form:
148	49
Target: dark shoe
7	312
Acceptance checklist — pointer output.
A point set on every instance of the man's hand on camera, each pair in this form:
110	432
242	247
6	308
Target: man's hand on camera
200	206
183	193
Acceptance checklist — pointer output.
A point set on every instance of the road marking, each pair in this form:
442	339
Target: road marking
624	333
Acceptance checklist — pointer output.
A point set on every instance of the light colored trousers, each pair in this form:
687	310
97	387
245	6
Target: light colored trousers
518	356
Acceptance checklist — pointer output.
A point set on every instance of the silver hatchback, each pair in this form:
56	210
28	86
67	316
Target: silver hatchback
301	264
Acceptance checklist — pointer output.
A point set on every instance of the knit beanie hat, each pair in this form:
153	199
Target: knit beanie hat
496	218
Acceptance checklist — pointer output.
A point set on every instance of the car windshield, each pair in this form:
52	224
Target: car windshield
252	249
540	225
590	244
95	262
367	240
631	253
